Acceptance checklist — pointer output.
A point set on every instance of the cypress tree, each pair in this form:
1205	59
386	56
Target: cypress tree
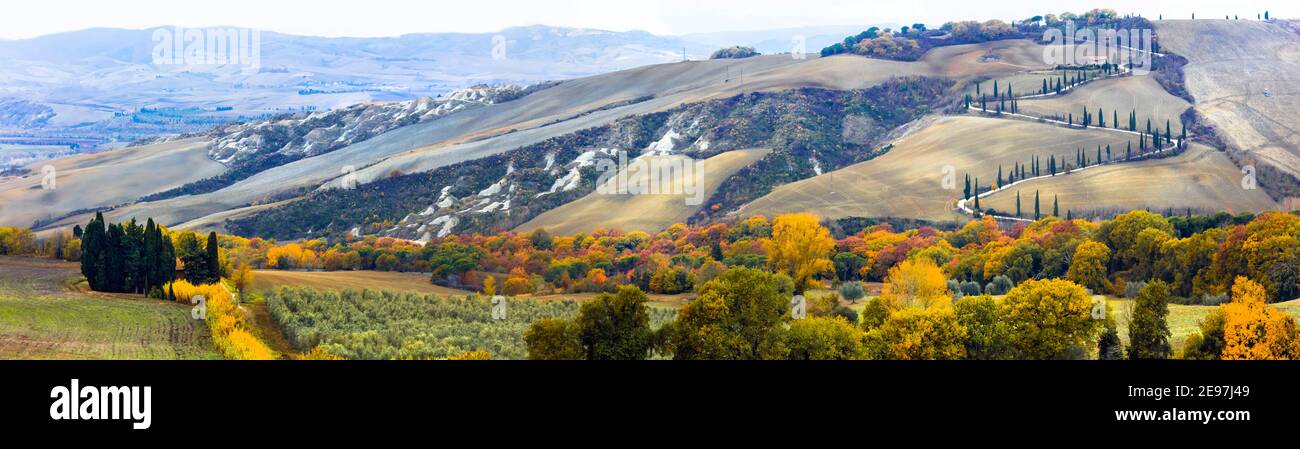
1017	204
213	259
92	253
1056	206
1037	214
114	260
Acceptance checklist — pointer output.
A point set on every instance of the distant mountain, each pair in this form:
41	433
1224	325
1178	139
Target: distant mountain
102	83
779	40
100	87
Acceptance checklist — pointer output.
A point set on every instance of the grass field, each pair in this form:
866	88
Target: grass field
44	315
265	280
648	213
909	180
1200	179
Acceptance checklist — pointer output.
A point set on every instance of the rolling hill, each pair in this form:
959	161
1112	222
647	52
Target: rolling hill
567	108
908	180
647	213
1245	76
1200	179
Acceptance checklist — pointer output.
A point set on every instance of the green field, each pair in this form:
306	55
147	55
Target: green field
1182	320
43	315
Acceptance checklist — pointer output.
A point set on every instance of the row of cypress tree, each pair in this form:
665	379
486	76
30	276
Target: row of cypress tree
129	258
125	257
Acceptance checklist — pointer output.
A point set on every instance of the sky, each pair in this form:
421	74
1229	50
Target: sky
373	18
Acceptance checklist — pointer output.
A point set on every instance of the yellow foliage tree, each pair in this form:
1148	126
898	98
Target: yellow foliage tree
490	286
799	248
916	283
1089	266
1252	330
230	332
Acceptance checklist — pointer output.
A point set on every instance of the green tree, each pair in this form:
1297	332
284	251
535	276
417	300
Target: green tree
616	326
554	339
824	338
737	316
1148	330
452	259
986	333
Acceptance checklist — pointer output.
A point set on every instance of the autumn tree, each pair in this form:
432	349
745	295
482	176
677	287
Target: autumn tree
1088	267
800	247
1252	330
919	334
916	283
1121	236
1048	319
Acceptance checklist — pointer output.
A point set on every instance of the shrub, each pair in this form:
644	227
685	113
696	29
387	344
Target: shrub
736	52
1133	289
1000	286
1214	300
852	291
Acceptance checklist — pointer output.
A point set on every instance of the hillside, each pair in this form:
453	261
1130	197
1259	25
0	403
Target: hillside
1231	66
1200	179
647	213
104	179
571	107
907	181
1122	95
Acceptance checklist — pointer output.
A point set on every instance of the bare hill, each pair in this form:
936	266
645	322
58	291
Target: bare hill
1230	66
649	213
104	179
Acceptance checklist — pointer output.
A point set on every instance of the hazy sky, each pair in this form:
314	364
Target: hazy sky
22	19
